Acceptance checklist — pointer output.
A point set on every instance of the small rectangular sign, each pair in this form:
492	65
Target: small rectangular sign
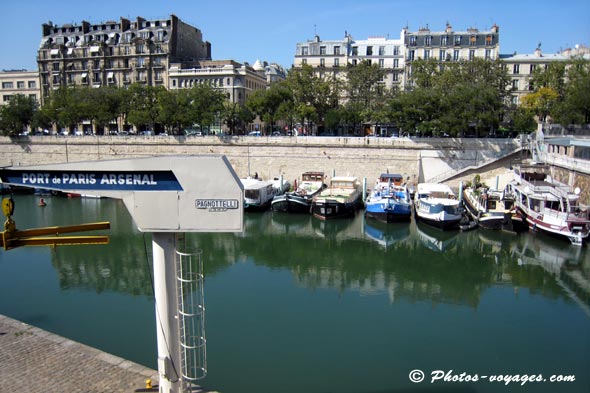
217	204
93	180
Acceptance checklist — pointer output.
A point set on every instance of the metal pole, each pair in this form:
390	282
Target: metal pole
163	247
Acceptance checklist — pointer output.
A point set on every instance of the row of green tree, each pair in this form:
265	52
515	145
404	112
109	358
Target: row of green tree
452	98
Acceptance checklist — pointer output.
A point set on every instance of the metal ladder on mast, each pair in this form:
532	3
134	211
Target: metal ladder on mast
191	315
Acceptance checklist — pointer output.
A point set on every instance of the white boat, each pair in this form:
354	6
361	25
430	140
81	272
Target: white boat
490	209
436	205
299	201
341	199
389	200
548	205
258	194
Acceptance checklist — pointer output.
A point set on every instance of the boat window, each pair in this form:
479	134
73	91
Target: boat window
251	194
491	205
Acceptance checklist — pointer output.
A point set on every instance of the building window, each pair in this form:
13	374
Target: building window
381	51
471	54
304	51
395	76
396	50
514	100
428	40
472	40
33	97
32	84
457	40
355	51
6	98
515	84
533	68
303	61
488	54
456	55
7	85
516	69
337	51
322	50
381	63
369	51
426	54
55	79
322	62
140	62
55	66
20	85
444	40
395	63
489	40
413	40
96	64
140	49
442	54
336	62
411	55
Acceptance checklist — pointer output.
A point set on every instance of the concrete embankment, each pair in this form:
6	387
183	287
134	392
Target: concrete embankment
36	361
428	159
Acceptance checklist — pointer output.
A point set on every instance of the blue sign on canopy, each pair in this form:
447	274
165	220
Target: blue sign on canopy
93	180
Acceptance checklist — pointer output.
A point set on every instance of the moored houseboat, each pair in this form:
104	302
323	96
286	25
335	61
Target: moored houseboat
548	205
299	201
436	205
341	199
389	200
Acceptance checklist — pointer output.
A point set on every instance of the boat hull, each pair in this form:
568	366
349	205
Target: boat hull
327	210
444	224
289	203
393	213
256	207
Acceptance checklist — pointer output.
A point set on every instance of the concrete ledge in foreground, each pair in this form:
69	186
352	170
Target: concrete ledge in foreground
33	360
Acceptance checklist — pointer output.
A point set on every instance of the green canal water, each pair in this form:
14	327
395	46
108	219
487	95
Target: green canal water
299	305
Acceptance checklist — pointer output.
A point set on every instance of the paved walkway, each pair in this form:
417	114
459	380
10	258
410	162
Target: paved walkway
35	361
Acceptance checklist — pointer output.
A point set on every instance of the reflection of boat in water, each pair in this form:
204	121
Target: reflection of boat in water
386	234
564	263
292	224
340	229
435	239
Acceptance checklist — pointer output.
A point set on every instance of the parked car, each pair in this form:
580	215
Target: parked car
78	133
255	133
146	132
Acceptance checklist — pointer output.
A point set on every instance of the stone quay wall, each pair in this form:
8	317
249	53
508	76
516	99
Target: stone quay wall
428	159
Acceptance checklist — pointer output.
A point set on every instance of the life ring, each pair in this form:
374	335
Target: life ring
42	202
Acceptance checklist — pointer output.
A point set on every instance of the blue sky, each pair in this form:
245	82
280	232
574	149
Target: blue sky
269	30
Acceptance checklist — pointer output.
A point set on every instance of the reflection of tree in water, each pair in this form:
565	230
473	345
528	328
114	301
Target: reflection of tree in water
339	255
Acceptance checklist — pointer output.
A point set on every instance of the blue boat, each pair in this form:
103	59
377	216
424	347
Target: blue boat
389	200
